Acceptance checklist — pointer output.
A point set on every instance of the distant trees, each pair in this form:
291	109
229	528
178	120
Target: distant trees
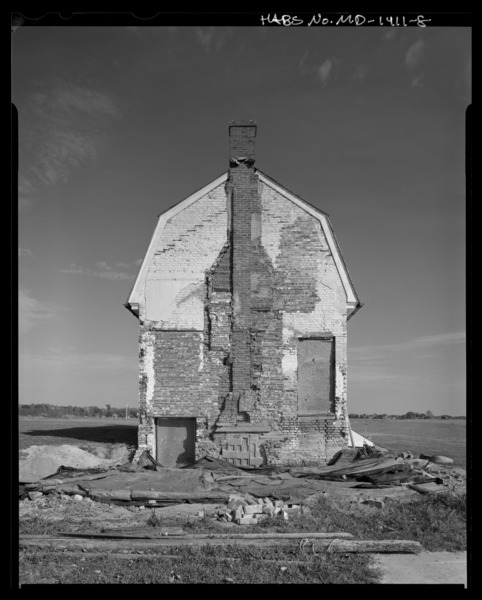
63	412
408	415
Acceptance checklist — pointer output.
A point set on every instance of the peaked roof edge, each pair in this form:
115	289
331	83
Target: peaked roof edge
353	302
162	220
352	298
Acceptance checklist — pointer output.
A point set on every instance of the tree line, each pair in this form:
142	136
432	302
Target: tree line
62	412
407	415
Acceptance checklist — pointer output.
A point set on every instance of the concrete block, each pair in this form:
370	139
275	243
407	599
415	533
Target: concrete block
255	509
34	495
249	520
238	512
234	497
292	512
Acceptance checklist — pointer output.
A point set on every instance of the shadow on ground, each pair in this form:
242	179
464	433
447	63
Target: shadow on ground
110	434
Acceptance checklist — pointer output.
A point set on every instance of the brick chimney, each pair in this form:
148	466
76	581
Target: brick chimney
243	182
242	136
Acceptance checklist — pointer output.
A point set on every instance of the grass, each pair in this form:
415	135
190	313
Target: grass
208	565
427	436
438	522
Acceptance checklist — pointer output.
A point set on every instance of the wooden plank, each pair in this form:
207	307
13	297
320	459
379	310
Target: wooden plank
180	496
427	488
369	465
306	544
151	533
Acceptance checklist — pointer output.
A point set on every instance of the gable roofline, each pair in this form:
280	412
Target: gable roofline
353	303
134	296
352	299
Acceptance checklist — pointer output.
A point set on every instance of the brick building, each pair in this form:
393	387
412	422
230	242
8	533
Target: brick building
243	299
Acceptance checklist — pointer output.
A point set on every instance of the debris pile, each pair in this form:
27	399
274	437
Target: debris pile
247	510
363	476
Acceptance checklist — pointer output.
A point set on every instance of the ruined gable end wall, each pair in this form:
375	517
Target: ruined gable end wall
231	361
309	301
179	374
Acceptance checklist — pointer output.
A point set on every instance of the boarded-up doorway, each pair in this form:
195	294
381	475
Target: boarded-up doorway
316	362
242	451
175	441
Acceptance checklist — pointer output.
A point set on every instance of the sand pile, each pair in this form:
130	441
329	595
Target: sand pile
42	461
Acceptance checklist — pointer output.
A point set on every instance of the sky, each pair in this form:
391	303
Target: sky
118	123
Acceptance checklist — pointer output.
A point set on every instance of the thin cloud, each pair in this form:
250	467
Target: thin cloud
65	126
24	186
25	192
61	358
24	252
136	30
103	271
323	72
103	265
32	312
211	38
361	375
24	204
414	54
419	344
417	82
303	60
390	33
360	73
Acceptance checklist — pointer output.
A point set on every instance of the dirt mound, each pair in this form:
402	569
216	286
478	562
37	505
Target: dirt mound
114	452
42	461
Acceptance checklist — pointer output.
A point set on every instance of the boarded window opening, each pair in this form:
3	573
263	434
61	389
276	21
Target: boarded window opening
316	368
175	441
242	451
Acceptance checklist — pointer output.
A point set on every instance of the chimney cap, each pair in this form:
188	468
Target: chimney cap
242	123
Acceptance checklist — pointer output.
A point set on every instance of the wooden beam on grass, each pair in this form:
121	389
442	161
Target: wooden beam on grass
306	544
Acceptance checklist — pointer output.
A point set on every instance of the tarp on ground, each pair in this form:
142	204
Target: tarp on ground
216	466
162	480
284	488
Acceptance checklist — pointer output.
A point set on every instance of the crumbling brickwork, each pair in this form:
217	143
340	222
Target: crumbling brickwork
235	281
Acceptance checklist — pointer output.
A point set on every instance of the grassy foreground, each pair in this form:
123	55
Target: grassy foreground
197	565
438	522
